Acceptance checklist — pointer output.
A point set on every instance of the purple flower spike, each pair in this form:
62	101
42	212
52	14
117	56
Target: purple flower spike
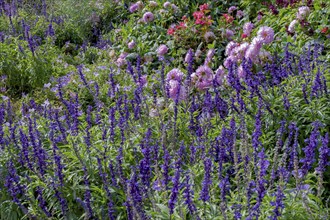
205	194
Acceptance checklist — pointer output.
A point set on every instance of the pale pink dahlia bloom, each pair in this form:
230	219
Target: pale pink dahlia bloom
162	50
239	14
232	9
143	80
188	56
292	26
266	34
247	28
153	4
229	34
148	17
174	74
227	62
209	36
177	91
167	4
254	48
230	46
134	7
239	52
303	12
240	72
219	75
203	77
131	44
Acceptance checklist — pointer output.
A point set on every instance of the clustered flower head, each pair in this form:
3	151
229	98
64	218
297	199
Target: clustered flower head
174	74
229	34
209	56
188	56
204	7
302	12
247	29
198	25
121	61
131	44
176	90
167	4
266	34
239	51
254	49
209	36
202	78
174	7
231	9
136	6
292	26
200	16
148	17
181	26
230	46
219	75
153	4
236	52
162	50
239	14
228	18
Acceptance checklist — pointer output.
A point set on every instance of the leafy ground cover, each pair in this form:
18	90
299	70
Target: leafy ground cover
164	110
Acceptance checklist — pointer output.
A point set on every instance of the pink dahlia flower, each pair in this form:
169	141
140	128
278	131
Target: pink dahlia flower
162	50
239	52
303	12
227	62
209	36
176	91
247	28
188	56
134	7
120	62
230	46
203	77
229	34
174	74
239	14
292	26
266	34
219	75
153	4
254	48
167	4
231	9
131	44
143	80
240	72
148	17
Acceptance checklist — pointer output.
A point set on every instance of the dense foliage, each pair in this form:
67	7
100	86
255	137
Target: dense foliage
164	110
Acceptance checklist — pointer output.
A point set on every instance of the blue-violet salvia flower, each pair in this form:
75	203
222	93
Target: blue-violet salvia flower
205	194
